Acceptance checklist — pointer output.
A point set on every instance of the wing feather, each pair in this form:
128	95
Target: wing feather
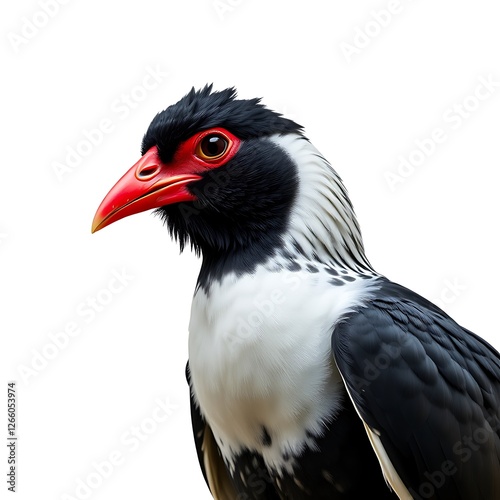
428	392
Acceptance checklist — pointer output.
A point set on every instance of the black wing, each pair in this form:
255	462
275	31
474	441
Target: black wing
428	392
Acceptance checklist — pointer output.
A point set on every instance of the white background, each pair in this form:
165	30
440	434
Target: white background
437	227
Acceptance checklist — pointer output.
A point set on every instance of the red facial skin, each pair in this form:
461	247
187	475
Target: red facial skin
150	183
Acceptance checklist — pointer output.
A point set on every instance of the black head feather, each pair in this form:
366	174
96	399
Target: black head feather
202	109
241	212
242	208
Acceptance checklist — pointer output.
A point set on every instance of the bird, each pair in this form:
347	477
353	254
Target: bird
310	374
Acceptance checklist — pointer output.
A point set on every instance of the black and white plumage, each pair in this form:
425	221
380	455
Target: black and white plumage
311	375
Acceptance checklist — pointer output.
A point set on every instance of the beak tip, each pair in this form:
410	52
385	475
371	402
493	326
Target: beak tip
96	225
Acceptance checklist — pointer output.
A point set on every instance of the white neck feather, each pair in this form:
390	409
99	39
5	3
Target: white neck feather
323	222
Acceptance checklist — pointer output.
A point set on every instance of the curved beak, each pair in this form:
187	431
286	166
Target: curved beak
148	184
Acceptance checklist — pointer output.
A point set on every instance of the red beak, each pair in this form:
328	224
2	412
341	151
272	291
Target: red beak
148	184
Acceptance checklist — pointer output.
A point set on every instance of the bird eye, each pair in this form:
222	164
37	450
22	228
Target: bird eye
212	146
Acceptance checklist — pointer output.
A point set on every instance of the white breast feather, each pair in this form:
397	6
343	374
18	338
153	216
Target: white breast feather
260	355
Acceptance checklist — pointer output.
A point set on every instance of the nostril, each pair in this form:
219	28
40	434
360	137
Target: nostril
147	172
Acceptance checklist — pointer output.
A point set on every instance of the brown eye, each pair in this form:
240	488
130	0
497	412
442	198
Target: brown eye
212	146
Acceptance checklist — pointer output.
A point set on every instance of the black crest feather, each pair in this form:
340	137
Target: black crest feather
202	109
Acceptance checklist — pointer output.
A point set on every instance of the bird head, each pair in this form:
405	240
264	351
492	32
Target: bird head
230	177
